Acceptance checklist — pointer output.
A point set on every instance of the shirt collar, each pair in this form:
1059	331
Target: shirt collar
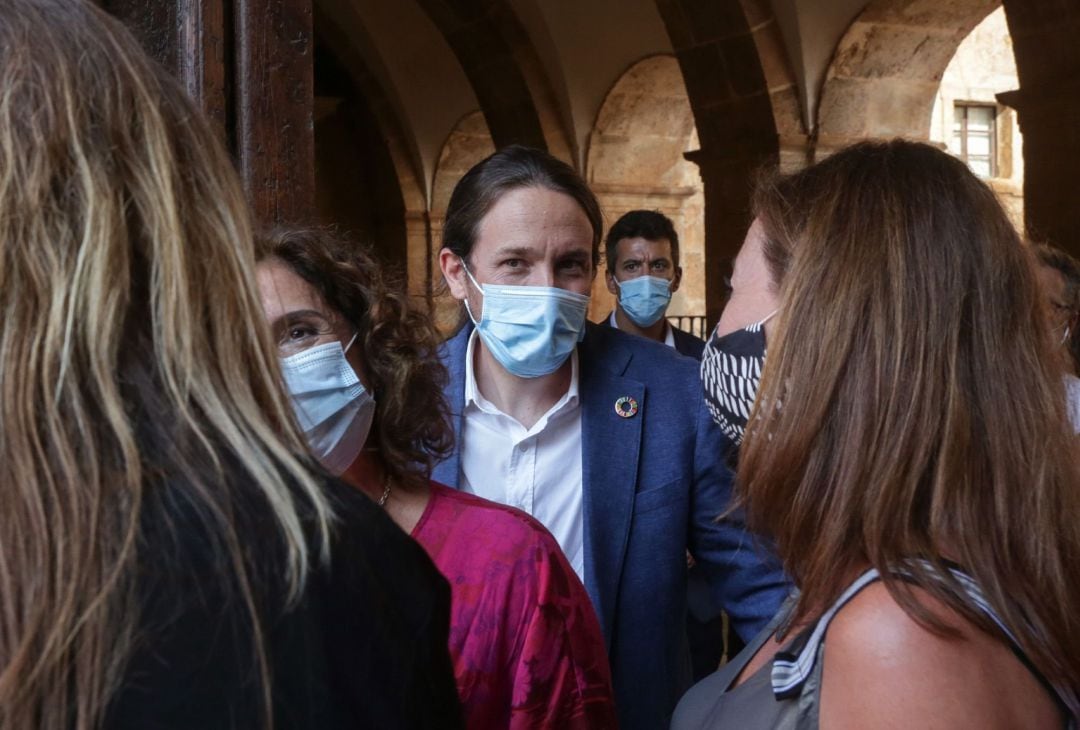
473	396
669	334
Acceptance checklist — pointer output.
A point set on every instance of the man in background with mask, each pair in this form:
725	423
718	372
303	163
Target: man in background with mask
642	254
601	436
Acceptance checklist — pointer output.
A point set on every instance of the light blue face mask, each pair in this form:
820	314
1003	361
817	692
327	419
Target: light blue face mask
530	330
644	299
332	406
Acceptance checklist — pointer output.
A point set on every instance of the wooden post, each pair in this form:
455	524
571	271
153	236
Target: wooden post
275	142
201	64
249	63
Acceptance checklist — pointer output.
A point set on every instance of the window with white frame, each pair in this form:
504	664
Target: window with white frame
974	137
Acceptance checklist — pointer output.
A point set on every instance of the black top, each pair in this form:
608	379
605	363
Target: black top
366	647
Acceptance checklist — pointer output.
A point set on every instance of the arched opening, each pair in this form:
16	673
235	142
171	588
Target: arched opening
885	76
970	122
636	161
717	45
356	184
467	144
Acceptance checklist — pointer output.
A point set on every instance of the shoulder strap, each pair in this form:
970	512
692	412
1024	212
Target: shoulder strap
793	665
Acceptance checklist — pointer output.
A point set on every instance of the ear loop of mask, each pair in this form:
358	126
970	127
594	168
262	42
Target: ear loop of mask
478	288
768	317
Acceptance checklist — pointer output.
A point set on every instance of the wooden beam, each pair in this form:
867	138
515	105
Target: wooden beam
202	67
275	143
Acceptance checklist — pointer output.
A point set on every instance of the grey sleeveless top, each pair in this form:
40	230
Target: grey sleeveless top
785	693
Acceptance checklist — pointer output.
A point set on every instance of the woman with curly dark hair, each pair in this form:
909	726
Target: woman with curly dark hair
363	371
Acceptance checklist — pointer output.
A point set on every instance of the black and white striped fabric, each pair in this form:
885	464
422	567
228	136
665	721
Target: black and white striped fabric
731	368
793	666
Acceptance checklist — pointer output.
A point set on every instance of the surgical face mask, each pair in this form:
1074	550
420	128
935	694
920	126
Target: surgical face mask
530	330
332	406
644	299
731	373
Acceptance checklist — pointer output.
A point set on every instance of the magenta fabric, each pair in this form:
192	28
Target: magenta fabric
525	641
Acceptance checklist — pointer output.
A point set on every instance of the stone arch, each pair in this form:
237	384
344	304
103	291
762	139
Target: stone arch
467	144
983	67
717	51
885	74
636	160
787	110
483	36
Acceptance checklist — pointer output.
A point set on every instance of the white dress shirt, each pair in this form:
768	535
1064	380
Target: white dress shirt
537	470
669	336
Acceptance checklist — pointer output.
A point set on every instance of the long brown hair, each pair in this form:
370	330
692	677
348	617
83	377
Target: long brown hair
127	361
398	346
910	408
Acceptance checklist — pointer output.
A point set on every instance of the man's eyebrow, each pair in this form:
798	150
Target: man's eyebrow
517	251
576	253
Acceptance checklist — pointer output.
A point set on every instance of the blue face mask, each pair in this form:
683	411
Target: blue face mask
332	406
644	299
530	330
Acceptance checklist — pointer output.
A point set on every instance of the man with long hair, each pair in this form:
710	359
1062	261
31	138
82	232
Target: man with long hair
604	437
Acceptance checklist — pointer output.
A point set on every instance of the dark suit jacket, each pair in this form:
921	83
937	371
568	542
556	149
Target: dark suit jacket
685	343
654	485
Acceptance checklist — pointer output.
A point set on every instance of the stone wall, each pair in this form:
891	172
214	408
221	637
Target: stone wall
984	66
636	161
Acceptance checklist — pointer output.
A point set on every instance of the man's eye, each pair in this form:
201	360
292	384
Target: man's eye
513	263
631	266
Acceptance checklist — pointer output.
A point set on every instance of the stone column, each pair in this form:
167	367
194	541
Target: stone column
1044	34
729	183
1049	118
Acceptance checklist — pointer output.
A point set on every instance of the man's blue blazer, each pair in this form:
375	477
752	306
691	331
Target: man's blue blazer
654	485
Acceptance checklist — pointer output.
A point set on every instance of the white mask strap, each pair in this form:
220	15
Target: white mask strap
469	274
475	284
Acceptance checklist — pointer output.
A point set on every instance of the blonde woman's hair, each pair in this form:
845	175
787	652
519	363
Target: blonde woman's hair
910	407
131	360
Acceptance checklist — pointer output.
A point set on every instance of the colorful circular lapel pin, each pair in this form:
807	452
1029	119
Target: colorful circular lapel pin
626	406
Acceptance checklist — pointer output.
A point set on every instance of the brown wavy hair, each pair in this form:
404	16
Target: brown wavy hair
910	407
398	346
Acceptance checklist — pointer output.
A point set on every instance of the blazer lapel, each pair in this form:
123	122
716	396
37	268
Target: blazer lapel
609	456
453	357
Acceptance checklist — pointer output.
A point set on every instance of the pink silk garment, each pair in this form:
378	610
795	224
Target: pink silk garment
525	642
